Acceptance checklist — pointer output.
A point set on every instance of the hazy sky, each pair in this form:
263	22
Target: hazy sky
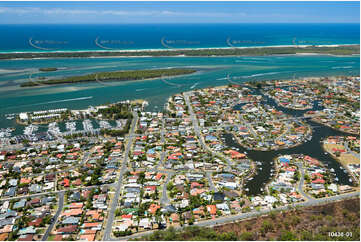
179	12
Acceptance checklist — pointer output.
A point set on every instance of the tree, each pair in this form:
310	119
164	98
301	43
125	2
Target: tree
247	236
287	236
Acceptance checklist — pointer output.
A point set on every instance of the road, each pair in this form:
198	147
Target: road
165	199
238	217
114	203
200	136
210	182
348	150
56	216
302	181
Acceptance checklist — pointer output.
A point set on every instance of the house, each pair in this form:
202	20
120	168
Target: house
174	218
27	230
75	196
153	208
333	187
19	204
67	229
71	220
72	212
87	237
223	206
26	237
270	199
35	188
218	196
10	192
34	202
13	182
212	209
35	222
145	223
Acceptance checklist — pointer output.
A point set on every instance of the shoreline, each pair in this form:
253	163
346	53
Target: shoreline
174	49
175	56
299	50
342	163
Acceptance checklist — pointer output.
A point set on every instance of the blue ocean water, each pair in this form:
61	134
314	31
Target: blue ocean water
18	38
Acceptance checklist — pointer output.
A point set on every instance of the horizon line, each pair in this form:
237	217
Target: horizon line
185	23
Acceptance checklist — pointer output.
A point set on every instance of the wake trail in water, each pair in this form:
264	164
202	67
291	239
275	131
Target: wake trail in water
195	84
261	74
341	67
56	101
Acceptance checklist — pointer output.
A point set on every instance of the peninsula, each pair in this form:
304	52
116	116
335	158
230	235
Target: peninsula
113	76
241	51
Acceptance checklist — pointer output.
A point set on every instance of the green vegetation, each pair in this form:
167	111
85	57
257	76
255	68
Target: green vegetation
190	233
309	223
48	69
336	50
116	111
113	76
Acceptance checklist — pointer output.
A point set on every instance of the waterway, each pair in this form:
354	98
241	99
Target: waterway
312	148
213	71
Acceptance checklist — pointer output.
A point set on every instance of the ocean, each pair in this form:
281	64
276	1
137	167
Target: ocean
56	37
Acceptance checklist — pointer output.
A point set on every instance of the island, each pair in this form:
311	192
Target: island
47	69
113	76
241	51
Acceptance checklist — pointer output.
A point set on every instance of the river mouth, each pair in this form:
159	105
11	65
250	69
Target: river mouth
312	147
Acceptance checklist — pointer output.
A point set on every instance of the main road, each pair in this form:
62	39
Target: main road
114	204
239	217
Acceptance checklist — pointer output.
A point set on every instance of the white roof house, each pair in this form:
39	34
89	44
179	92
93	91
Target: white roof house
23	116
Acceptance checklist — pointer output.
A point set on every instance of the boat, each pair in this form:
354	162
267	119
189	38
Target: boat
350	180
247	189
332	170
29	130
336	179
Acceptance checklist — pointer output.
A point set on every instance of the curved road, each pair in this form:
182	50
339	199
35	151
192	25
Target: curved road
302	181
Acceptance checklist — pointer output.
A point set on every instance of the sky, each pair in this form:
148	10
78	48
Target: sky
178	12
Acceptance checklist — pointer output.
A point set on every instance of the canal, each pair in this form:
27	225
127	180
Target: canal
312	147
